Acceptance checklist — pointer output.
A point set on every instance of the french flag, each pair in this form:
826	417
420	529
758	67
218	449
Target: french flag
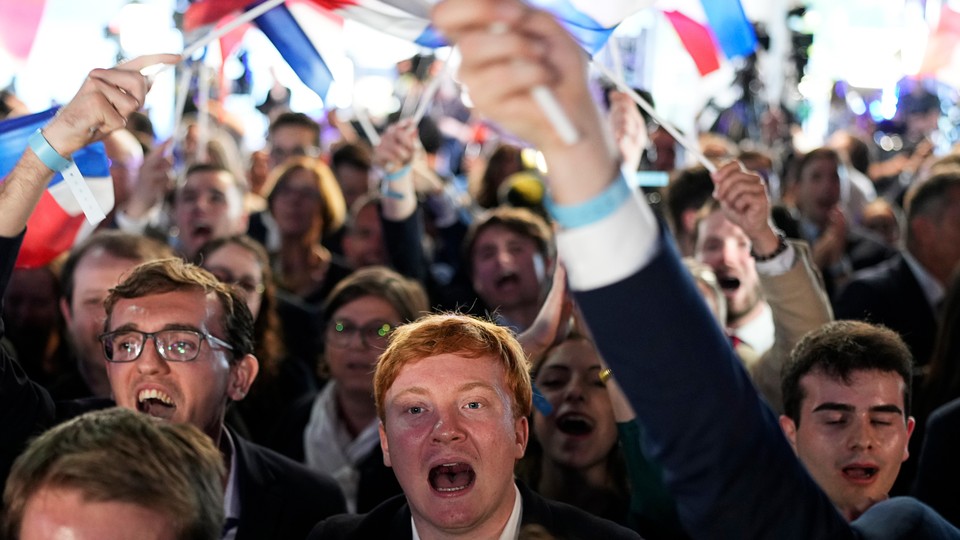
710	30
56	224
591	22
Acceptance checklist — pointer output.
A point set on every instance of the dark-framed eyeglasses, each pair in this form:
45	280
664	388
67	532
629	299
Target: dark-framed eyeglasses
279	155
172	345
373	335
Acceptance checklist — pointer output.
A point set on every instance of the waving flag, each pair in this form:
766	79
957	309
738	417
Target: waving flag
711	30
590	21
283	27
54	226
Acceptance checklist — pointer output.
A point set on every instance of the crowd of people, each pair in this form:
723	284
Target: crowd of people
346	339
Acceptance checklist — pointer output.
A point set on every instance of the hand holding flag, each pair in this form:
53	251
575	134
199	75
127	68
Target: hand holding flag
501	69
100	106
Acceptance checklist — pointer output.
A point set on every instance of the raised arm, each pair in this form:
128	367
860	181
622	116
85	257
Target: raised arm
101	105
725	460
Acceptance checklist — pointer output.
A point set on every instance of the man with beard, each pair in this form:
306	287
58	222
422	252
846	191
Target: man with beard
774	293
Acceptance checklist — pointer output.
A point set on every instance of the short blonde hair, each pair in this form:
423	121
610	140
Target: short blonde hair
462	335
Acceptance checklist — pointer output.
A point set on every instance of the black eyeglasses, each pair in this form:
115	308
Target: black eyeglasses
373	335
172	345
279	155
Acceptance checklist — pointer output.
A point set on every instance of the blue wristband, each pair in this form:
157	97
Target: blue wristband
50	157
591	211
397	174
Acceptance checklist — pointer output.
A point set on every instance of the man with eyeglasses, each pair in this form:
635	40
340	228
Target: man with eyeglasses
292	134
178	342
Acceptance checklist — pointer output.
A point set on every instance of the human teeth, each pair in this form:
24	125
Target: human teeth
153	393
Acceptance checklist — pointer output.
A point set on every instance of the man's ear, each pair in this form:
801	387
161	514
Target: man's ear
66	311
911	423
789	428
384	445
522	428
242	375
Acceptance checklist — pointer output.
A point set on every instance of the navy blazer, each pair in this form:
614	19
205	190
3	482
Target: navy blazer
937	471
391	521
280	498
724	456
890	295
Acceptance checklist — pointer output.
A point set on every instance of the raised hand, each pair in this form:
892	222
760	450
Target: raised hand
102	104
743	200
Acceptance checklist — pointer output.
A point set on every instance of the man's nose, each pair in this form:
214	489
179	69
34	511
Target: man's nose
448	428
862	435
150	361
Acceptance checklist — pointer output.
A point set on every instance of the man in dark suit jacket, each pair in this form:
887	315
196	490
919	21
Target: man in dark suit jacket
903	293
840	247
724	456
937	471
202	339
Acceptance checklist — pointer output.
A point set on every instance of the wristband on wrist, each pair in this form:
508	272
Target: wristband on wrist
47	154
593	210
781	247
397	174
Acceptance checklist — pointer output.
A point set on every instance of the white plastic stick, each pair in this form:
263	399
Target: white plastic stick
367	125
690	146
430	92
151	71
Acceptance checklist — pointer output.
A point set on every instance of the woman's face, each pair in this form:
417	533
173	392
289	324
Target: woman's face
354	338
295	204
581	431
238	266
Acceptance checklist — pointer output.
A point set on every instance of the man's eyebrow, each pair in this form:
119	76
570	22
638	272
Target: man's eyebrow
889	408
843	407
466	387
415	390
833	406
171	326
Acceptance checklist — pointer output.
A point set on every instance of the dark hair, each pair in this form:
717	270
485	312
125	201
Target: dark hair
518	220
353	155
838	349
132	247
267	332
213	167
171	275
816	154
503	162
689	189
296	119
404	295
930	198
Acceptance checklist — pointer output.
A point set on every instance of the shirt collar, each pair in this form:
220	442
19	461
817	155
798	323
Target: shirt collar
510	531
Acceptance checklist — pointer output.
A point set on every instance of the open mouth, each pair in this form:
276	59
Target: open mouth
728	283
860	474
575	424
202	231
155	403
508	279
452	477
